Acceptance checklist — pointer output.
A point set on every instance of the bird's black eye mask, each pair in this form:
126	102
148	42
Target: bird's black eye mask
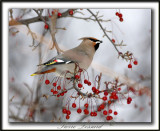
96	41
93	40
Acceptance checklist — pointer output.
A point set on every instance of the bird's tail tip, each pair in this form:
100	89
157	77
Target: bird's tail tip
33	74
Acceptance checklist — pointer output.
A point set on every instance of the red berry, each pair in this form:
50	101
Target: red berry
110	111
97	91
113	93
108	118
86	105
79	110
71	12
86	112
80	85
58	87
121	19
54	84
93	89
92	113
95	113
52	90
62	94
46	26
89	83
104	98
117	13
119	89
104	112
80	70
120	15
64	111
99	109
115	97
67	117
85	81
102	106
47	82
111	97
109	102
68	112
59	14
74	105
129	66
113	40
55	92
115	113
135	62
105	93
77	76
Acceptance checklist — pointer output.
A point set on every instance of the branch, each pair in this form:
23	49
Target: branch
103	30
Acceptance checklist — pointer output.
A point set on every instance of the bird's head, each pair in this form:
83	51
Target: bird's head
91	41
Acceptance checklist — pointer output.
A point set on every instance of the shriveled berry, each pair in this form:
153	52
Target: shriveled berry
47	82
74	105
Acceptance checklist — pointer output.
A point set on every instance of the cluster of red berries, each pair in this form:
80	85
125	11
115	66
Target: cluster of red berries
135	62
120	16
129	99
70	13
55	92
67	112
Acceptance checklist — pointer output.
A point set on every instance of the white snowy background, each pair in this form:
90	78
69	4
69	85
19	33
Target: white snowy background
135	31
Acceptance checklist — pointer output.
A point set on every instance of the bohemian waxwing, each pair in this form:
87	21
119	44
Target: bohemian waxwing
82	55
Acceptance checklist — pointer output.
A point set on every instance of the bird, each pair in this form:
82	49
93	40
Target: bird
82	55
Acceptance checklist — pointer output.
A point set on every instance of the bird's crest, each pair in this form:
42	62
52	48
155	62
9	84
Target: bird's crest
83	38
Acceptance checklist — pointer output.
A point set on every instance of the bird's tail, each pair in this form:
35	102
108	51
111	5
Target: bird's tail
44	72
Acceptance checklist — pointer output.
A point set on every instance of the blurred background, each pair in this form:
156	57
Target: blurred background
134	31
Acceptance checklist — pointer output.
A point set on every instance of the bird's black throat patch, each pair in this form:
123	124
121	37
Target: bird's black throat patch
96	46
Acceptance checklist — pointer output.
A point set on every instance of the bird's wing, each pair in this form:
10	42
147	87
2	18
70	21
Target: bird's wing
57	60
